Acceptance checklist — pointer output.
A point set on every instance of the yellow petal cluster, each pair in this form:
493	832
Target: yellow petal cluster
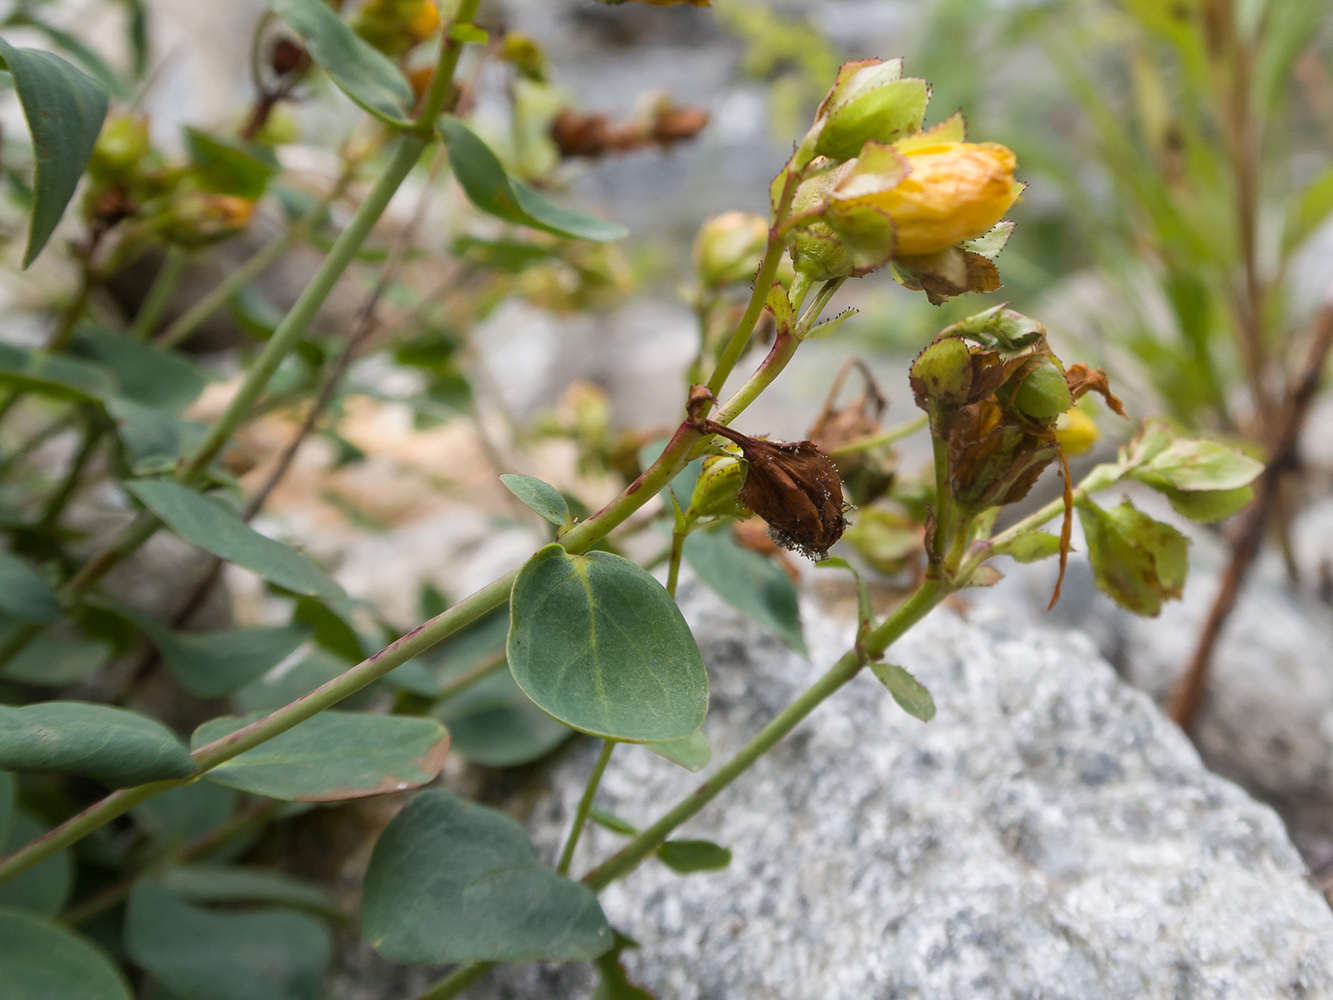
954	191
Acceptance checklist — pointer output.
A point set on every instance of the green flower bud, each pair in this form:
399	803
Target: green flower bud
942	374
1044	394
122	144
729	248
525	55
717	487
870	102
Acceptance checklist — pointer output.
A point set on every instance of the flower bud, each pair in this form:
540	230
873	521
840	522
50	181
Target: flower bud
729	248
286	56
1076	432
396	26
196	218
917	203
525	55
715	491
942	374
870	102
120	147
1044	393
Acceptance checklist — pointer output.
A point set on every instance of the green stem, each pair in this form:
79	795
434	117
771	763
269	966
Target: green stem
784	347
673	560
36	441
441	93
916	607
768	272
944	504
464	681
159	294
578	539
882	438
70	317
585	803
56	504
190	320
294	325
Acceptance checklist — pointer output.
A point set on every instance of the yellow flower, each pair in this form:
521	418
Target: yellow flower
955	191
920	200
424	22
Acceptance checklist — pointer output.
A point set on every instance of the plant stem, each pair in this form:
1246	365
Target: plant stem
440	94
585	803
465	680
673	560
916	607
56	504
944	505
159	294
578	539
882	438
407	151
190	320
763	281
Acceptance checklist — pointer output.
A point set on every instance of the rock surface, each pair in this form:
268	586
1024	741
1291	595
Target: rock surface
1049	834
1266	721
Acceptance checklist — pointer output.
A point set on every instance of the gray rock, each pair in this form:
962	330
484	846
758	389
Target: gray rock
1049	835
1266	721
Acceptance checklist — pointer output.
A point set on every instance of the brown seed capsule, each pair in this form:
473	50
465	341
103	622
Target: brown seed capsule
794	487
286	56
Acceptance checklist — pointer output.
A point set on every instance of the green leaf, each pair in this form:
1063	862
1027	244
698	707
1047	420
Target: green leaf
600	645
40	960
692	752
830	326
1032	546
907	691
613	983
213	955
181	815
279	687
687	856
332	756
7	791
90	62
753	585
243	171
490	188
111	745
1200	465
44	888
450	881
53	660
146	374
64	108
1135	560
241	884
24	593
493	723
54	375
153	438
216	664
363	73
1207	506
542	498
610	821
332	627
1314	207
215	528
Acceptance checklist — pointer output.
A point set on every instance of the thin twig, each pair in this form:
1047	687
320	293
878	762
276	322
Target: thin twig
1283	456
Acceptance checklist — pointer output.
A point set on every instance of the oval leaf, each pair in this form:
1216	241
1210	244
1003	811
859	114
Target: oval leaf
450	881
362	72
208	955
64	108
56	660
907	691
40	960
599	644
111	745
542	498
24	593
241	884
692	753
686	856
490	188
753	585
493	724
215	528
332	756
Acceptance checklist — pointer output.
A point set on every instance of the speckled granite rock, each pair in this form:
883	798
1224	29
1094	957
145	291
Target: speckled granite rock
1048	835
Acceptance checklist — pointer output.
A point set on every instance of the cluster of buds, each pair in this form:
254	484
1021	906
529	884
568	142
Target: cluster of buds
879	189
395	27
591	135
995	392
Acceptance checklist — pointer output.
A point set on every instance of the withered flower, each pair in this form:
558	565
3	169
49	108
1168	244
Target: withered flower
592	135
794	487
867	472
